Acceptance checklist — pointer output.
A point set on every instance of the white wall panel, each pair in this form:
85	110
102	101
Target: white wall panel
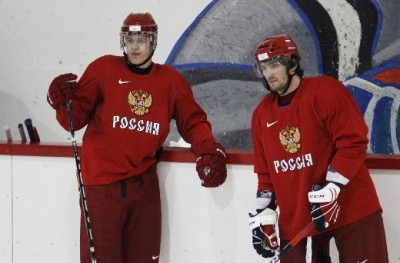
200	225
387	184
5	209
46	210
206	225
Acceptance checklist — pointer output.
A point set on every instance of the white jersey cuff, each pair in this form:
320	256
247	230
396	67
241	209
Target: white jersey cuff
333	176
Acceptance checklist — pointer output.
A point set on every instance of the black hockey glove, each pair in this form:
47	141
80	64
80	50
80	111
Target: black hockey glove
265	240
324	206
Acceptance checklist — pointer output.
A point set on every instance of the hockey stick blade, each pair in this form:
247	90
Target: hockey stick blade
302	234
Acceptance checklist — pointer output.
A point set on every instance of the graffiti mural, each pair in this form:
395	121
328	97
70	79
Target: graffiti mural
357	42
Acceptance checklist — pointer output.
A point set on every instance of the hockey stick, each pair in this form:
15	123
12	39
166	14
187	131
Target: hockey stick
29	128
80	182
302	234
8	132
22	132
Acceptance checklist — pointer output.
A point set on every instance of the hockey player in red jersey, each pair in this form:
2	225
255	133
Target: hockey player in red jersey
310	143
127	103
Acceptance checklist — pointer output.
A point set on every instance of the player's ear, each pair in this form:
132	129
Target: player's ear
293	67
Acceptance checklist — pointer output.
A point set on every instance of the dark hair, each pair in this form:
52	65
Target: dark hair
296	61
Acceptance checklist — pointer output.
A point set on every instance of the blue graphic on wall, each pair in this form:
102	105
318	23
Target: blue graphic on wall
377	93
345	39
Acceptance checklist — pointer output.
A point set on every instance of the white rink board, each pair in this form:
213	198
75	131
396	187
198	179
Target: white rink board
206	225
6	209
46	210
387	184
199	225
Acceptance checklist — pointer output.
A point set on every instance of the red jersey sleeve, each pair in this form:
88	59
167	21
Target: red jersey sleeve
191	119
260	162
86	97
338	111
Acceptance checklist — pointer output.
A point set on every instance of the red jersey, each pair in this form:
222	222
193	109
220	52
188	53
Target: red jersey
128	118
294	145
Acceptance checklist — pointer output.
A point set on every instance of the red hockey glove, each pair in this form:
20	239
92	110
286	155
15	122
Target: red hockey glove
62	89
211	166
324	206
265	240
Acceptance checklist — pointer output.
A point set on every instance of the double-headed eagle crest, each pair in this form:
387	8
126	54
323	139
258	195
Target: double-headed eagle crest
139	101
290	138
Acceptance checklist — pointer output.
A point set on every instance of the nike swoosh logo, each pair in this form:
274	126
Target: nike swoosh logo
120	81
155	257
270	124
363	261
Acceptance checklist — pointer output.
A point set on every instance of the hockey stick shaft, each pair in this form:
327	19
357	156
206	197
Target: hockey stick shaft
8	132
302	234
22	132
35	134
29	128
81	187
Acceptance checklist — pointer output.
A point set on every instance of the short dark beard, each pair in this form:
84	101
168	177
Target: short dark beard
266	85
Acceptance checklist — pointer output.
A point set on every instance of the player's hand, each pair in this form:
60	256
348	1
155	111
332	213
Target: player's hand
211	166
265	240
324	206
62	89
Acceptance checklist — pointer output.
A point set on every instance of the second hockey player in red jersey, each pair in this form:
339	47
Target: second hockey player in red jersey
310	143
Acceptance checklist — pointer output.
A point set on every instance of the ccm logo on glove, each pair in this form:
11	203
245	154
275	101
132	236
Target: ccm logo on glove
325	208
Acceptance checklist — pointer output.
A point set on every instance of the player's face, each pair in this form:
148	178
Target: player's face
276	75
138	49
